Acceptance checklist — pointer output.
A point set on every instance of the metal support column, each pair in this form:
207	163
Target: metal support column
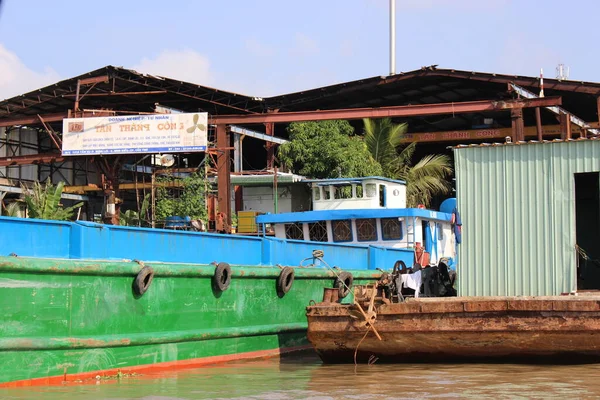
237	153
565	126
392	37
275	192
224	178
518	126
239	198
270	130
538	124
110	183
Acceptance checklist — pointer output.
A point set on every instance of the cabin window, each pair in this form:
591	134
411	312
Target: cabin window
342	231
366	230
440	231
359	191
326	193
317	193
294	231
343	192
317	231
391	229
371	189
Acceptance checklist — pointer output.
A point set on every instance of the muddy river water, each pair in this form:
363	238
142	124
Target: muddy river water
306	378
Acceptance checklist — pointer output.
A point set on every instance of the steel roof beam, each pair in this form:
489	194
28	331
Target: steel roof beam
68	196
556	110
180	93
31	159
33	120
382	112
553	84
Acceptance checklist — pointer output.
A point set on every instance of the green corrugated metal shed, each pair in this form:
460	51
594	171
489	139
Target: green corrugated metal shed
517	204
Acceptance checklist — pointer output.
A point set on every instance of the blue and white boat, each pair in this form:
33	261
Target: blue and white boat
368	211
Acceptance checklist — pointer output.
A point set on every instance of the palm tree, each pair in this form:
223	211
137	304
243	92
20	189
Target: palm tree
425	179
11	210
43	202
383	138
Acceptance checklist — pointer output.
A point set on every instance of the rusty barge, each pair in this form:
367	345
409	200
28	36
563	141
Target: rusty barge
562	329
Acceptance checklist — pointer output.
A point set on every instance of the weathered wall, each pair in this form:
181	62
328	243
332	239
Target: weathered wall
260	198
19	142
26	141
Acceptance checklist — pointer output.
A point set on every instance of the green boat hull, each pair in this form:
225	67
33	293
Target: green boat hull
67	320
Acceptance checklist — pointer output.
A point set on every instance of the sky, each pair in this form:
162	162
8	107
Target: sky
269	47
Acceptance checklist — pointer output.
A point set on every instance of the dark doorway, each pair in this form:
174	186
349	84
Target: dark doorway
587	220
427	242
382	199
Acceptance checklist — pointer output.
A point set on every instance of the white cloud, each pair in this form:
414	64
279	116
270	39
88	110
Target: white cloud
186	65
190	66
16	78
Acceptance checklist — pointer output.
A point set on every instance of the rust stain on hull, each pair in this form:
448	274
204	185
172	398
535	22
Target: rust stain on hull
554	329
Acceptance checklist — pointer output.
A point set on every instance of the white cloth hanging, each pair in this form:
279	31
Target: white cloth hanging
412	281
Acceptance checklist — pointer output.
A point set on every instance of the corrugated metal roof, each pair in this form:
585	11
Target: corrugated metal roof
185	96
496	144
333	215
334	181
517	204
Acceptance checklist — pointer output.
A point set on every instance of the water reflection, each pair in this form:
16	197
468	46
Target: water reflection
306	378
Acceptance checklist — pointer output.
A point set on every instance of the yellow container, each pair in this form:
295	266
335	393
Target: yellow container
247	221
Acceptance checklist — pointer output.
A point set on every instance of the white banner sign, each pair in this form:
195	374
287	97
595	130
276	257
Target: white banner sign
163	133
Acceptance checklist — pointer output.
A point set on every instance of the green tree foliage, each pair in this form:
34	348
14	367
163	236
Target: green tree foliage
181	197
43	202
136	218
327	149
425	179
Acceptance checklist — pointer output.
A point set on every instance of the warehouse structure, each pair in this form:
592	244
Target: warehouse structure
30	144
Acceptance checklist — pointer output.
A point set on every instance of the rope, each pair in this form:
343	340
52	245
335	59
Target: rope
318	255
358	345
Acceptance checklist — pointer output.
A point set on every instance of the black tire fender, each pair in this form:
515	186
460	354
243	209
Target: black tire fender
222	276
285	280
399	267
344	283
143	280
